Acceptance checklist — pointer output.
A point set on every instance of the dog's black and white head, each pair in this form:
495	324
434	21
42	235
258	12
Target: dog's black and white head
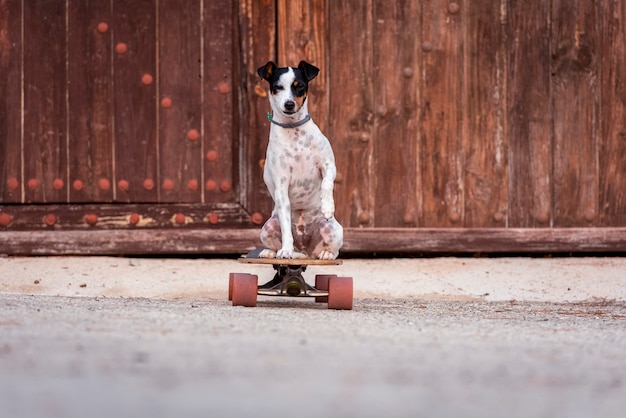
288	86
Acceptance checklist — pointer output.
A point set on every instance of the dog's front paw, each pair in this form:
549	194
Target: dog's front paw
328	208
327	255
267	253
284	253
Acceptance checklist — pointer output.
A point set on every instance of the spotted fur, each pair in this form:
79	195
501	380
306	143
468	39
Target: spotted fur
299	172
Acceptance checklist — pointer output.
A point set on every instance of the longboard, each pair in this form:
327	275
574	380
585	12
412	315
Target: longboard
243	288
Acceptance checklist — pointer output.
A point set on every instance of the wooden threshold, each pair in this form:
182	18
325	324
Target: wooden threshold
357	241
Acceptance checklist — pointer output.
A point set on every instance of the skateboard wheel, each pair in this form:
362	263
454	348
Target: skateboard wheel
321	283
340	293
230	285
244	289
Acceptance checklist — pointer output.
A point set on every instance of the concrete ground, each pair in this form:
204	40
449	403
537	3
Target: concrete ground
127	337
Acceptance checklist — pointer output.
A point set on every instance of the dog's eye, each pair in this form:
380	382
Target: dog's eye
298	89
279	88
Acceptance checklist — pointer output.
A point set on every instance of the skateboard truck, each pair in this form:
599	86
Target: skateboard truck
289	281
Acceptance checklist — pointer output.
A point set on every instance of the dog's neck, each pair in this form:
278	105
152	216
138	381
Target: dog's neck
299	118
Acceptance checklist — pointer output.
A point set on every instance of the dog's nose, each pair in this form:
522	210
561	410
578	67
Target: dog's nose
290	105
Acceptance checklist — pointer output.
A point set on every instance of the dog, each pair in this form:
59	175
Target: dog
299	172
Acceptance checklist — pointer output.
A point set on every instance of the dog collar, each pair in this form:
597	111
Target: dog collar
289	125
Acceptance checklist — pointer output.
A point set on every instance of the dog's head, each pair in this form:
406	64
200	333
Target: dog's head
288	86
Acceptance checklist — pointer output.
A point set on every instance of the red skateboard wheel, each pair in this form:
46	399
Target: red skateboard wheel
340	293
244	289
321	283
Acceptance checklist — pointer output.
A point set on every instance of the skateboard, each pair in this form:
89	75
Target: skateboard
288	281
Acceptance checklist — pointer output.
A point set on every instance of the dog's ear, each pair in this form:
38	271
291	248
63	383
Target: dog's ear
310	71
266	71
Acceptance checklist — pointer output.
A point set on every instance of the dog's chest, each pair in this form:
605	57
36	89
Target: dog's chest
294	158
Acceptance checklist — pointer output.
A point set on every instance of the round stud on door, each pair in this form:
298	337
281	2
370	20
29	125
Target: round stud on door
180	219
193	185
166	102
168	185
225	186
148	184
91	219
33	184
134	218
103	27
5	219
104	184
223	87
257	218
50	219
453	8
58	184
211	156
123	185
211	185
213	218
121	48
193	134
146	79
78	185
12	183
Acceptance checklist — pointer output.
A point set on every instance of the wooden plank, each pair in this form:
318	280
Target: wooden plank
221	95
45	119
257	25
612	146
485	145
352	106
98	216
382	241
90	97
302	36
180	81
10	102
529	114
575	108
442	96
396	139
135	102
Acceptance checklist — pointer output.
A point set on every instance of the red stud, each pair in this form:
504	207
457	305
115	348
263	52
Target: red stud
453	8
5	219
211	156
168	185
148	184
123	185
179	218
12	183
146	79
78	185
213	218
193	134
166	102
50	219
91	219
103	27
225	186
256	218
121	48
134	218
211	185
192	184
223	87
58	184
104	184
33	184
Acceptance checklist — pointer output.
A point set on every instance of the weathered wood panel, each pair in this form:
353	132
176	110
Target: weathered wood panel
357	241
179	85
135	101
529	114
221	95
257	23
11	181
485	145
395	141
442	100
352	109
302	36
612	111
45	116
90	100
574	48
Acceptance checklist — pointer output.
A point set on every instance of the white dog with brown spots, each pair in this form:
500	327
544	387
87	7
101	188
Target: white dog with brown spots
299	172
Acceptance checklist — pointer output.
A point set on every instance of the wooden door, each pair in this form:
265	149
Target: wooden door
138	126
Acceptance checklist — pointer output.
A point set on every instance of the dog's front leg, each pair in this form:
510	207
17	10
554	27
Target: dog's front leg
329	172
283	209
